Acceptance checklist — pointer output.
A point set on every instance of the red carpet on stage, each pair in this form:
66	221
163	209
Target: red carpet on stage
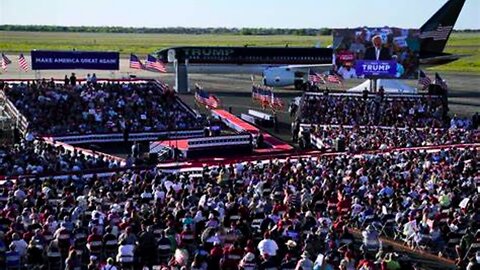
239	125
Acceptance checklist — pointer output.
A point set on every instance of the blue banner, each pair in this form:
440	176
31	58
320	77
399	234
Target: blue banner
75	60
379	69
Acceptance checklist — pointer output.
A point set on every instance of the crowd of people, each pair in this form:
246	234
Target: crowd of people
358	139
277	214
37	157
91	107
378	110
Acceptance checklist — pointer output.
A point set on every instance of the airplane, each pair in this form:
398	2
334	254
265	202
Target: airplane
285	66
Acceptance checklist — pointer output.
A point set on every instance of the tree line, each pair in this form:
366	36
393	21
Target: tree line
179	30
168	30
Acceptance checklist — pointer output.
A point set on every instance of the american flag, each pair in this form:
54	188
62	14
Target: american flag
254	92
314	77
260	93
266	96
163	86
439	81
423	80
276	102
135	62
5	62
334	79
153	63
210	101
22	62
441	33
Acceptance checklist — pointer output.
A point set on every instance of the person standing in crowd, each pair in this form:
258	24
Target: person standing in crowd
13	258
147	245
400	69
275	123
136	150
268	246
93	264
73	80
347	71
475	120
88	79
365	93
66	80
292	109
94	79
73	262
110	265
377	51
248	262
358	47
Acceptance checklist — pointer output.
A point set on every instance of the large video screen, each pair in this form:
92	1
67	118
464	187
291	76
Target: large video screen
381	52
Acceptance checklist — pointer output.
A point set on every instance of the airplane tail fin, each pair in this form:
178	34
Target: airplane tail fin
435	32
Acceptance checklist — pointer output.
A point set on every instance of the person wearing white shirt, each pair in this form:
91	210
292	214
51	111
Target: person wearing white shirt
125	253
20	245
268	246
109	265
347	71
159	194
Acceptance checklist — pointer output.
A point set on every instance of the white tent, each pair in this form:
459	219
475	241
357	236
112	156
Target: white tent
389	85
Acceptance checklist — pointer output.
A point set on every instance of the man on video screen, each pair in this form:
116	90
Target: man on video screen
377	52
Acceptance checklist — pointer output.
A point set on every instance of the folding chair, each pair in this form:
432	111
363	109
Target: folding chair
389	227
472	250
54	260
368	220
422	241
451	244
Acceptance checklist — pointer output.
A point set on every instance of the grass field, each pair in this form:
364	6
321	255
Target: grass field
13	42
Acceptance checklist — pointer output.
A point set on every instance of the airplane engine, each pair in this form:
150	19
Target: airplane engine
283	76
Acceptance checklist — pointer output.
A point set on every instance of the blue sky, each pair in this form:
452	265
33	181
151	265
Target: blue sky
227	13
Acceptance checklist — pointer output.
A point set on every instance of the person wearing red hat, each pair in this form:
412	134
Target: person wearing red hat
231	256
94	243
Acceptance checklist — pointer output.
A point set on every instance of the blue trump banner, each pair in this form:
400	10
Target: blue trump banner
75	60
379	69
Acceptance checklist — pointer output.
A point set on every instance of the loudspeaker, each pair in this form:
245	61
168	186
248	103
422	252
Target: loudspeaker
340	144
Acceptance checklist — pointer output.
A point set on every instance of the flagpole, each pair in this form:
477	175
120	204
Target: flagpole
18	67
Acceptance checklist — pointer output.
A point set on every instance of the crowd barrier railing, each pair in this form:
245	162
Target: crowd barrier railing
309	127
14	113
219	141
119	137
373	95
260	115
186	107
81	80
86	152
196	166
208	142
